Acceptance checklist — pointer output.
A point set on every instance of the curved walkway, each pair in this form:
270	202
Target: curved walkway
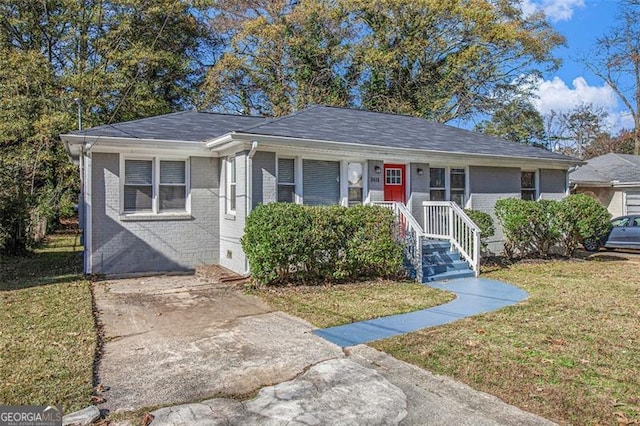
474	296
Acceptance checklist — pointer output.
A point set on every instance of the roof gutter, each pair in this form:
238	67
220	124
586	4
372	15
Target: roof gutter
578	183
625	184
252	152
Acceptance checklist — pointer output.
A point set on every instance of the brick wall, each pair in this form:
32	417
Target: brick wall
124	246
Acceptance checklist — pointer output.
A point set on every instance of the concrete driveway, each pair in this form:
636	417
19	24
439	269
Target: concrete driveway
182	339
172	339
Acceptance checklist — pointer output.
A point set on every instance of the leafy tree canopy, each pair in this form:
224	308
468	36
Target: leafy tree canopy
118	59
518	121
441	60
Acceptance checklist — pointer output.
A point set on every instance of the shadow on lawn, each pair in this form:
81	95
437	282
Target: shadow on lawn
60	261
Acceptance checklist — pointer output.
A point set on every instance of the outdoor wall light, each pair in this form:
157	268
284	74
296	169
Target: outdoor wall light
377	169
419	171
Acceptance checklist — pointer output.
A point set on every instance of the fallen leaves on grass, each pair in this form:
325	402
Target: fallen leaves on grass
331	305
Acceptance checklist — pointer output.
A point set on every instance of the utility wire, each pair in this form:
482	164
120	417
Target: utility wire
136	76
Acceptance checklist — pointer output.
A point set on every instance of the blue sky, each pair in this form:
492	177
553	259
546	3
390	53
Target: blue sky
581	22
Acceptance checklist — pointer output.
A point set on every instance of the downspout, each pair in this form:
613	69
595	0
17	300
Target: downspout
88	222
249	191
567	181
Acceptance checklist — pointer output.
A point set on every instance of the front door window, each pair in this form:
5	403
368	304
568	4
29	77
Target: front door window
394	182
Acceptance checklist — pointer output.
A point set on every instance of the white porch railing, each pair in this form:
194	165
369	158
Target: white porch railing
409	233
446	220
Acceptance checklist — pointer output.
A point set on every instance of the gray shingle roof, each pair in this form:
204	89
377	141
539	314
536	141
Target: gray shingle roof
608	168
587	173
324	123
391	130
186	126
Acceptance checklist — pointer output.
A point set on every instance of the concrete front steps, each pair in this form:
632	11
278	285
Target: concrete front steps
442	262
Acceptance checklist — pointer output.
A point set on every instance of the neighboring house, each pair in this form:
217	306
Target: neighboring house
613	179
171	192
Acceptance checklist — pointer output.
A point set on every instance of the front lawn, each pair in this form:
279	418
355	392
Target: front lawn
569	353
47	335
330	305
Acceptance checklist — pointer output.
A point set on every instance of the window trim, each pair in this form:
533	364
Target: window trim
394	177
155	188
344	187
450	187
231	161
447	182
295	178
536	183
439	188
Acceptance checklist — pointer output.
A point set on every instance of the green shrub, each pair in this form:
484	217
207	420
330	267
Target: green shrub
581	217
288	243
371	249
328	235
532	228
278	242
484	221
529	227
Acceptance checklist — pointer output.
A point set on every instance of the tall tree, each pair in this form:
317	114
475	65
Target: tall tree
616	59
517	121
450	59
435	59
573	131
282	56
622	143
121	59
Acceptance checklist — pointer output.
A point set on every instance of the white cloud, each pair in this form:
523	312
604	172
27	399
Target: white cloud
620	120
556	95
555	10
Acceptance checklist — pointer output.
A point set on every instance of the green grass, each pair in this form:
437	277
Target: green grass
47	335
330	305
569	353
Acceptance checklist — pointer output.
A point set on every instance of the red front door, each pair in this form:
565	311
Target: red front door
394	182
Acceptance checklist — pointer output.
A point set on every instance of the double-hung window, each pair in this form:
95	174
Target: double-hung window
154	186
231	185
286	180
138	186
457	181
448	184
528	189
437	184
173	186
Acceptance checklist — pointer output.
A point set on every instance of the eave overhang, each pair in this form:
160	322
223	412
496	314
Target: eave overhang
238	140
76	144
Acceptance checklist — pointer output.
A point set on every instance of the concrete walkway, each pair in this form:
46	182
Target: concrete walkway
474	296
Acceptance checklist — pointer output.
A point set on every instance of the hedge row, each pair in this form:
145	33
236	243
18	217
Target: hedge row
485	223
533	228
291	243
